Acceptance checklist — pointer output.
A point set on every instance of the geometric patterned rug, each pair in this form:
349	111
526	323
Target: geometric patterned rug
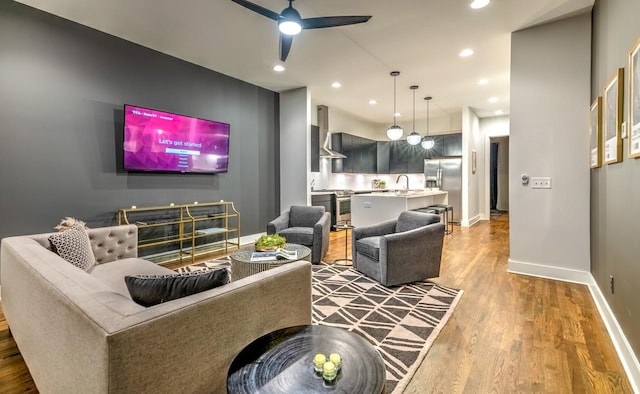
401	322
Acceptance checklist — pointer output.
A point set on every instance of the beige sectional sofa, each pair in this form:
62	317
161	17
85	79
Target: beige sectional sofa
80	332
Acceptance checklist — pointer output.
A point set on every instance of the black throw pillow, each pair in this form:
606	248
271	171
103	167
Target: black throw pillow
149	290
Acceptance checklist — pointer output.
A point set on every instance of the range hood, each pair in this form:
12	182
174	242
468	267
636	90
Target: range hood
325	135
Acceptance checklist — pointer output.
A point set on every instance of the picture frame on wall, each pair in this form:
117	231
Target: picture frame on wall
633	126
473	162
612	118
595	133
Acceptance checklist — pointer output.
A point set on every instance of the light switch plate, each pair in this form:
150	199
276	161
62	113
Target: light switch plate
541	182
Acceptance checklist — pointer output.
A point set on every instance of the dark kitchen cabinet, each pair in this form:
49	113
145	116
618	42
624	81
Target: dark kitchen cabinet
361	154
415	159
365	156
382	157
366	160
405	158
328	202
341	142
315	148
452	145
356	154
436	151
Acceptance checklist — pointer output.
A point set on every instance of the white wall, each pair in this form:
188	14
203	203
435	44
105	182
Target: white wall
295	148
472	187
550	80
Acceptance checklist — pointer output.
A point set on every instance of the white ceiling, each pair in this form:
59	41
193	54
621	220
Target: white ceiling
419	38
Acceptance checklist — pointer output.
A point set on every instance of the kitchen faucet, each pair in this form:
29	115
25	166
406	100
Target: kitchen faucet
406	177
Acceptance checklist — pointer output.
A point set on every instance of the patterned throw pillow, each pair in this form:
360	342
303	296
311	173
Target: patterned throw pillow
149	290
74	246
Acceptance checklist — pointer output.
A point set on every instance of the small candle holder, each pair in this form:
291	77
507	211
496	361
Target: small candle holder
336	360
318	362
329	371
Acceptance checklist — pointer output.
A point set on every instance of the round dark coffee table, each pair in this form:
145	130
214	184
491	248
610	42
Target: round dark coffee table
282	362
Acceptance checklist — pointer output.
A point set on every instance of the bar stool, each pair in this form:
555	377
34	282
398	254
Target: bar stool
447	213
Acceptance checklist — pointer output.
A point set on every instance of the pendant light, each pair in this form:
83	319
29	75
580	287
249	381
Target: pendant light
414	138
394	132
428	142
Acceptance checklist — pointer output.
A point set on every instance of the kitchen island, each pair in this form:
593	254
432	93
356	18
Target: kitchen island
373	208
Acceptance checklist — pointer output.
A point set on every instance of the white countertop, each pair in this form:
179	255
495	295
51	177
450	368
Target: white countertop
409	194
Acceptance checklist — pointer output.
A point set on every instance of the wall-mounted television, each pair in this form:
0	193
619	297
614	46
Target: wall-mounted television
159	141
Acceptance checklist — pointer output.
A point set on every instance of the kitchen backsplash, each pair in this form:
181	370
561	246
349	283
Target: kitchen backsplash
328	180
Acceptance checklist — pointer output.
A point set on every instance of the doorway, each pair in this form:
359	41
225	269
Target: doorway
498	176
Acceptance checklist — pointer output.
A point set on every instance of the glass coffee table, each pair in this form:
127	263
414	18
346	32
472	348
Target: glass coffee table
242	266
282	362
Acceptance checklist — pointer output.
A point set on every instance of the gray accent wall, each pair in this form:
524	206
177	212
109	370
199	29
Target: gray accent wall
62	91
615	188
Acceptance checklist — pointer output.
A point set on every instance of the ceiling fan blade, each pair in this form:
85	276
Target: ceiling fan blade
285	46
331	21
259	9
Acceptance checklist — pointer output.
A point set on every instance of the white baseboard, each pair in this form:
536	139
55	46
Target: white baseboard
470	222
549	272
251	238
622	346
485	217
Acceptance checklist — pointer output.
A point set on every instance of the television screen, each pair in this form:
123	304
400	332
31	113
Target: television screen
165	142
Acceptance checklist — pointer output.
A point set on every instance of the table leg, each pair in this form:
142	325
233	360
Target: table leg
345	261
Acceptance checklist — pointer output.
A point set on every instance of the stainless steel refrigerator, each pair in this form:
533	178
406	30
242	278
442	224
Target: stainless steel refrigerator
446	174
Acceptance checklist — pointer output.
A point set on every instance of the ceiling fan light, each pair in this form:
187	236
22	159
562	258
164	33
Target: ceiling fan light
394	132
428	143
290	28
414	138
477	4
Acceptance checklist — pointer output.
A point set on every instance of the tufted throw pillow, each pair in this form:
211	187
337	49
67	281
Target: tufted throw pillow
74	246
149	290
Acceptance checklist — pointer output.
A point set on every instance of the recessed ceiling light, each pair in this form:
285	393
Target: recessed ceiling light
483	81
373	102
493	100
466	52
475	4
499	112
397	114
278	68
336	85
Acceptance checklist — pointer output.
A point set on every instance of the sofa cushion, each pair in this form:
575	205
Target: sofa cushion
369	247
298	235
73	245
112	274
149	290
304	216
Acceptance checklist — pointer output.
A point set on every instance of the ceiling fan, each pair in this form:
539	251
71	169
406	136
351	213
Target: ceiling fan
291	23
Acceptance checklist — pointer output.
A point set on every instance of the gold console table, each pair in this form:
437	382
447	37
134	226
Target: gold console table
171	232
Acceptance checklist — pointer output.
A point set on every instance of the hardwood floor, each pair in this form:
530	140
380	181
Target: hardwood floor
509	334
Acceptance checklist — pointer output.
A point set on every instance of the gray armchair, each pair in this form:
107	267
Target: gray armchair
399	251
304	225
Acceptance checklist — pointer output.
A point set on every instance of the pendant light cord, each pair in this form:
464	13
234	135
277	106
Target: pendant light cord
428	117
414	110
428	98
394	100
